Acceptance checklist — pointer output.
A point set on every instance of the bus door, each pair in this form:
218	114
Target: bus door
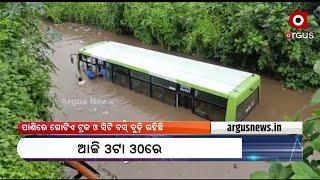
100	64
94	65
185	97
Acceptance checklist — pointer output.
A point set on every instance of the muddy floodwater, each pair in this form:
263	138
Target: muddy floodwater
102	100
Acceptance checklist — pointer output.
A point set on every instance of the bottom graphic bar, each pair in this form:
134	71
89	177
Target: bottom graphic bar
146	147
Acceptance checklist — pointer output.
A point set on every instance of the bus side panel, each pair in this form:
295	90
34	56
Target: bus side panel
240	94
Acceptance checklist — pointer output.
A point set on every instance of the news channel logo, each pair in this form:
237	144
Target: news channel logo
299	20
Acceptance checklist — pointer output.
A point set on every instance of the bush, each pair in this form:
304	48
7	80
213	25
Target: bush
309	167
249	35
246	35
24	89
104	15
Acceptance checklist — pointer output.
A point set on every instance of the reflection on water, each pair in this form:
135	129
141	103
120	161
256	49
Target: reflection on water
99	99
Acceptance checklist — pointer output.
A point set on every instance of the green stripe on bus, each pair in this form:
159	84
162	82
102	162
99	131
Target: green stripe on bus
239	94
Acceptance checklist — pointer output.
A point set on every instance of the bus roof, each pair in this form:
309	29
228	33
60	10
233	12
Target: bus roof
203	76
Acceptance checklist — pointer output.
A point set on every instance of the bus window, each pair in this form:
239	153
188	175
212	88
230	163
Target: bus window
88	59
209	111
82	65
94	65
140	86
108	65
140	82
85	60
109	71
140	75
82	57
121	79
163	83
247	105
121	69
109	74
220	101
165	95
100	64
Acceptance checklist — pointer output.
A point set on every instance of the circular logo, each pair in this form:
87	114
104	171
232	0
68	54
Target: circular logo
298	20
288	35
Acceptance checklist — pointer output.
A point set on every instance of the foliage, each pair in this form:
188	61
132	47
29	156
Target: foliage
244	35
11	165
309	168
25	70
153	23
249	35
104	15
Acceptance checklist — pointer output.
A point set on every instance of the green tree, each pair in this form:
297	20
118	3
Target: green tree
25	69
241	35
309	168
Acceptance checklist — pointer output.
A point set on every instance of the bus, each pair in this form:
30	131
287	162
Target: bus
213	92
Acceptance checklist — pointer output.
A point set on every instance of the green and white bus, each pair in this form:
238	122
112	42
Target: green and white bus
214	92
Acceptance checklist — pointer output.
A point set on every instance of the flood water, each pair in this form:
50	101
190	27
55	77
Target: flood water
102	100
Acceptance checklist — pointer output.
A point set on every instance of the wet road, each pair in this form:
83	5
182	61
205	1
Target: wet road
103	100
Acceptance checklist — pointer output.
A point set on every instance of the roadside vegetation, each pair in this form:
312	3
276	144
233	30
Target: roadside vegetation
309	168
25	82
242	35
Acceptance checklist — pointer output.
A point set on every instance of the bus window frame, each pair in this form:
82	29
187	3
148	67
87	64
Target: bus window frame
217	106
139	80
165	88
161	85
115	66
121	74
136	77
210	102
169	90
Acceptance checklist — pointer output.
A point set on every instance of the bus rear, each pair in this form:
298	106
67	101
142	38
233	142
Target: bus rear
243	98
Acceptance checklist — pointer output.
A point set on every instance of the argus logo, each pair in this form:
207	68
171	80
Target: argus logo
300	35
299	19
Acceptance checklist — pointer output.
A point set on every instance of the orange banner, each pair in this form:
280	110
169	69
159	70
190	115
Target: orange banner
131	127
